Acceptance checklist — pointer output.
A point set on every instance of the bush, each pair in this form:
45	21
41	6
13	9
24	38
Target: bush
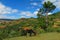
50	29
40	31
3	34
1	38
14	34
58	29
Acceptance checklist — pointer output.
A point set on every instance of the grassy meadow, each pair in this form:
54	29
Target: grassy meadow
44	36
45	22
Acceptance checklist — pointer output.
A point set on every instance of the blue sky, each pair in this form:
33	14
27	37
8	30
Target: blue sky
15	9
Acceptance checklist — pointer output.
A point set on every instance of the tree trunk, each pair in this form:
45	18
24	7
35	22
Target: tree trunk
46	19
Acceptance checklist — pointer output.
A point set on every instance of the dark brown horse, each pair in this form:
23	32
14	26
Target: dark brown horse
29	31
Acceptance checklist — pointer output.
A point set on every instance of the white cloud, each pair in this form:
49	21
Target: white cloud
49	13
57	0
23	17
34	4
14	10
35	13
50	0
7	17
27	14
57	4
6	10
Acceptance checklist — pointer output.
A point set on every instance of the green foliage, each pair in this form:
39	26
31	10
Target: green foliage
1	38
3	33
12	31
42	15
52	29
40	31
38	25
56	15
49	6
58	29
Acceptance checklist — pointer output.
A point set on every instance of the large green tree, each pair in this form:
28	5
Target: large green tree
43	14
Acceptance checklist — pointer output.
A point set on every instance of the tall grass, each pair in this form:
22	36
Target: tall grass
44	36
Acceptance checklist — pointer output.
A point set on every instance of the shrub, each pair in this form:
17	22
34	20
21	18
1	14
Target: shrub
40	31
1	38
14	33
58	29
3	34
50	29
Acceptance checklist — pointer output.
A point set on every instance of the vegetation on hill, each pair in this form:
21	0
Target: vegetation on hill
41	24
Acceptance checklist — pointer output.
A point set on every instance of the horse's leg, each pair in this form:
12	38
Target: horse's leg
30	32
34	33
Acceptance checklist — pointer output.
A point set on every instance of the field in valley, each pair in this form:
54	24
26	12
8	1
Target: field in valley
44	36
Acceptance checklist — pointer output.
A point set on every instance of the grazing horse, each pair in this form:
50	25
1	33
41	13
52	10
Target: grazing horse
29	31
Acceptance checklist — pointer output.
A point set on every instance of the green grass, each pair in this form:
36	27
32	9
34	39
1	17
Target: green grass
44	36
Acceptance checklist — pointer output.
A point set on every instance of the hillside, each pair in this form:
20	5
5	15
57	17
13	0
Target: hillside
30	21
56	19
34	21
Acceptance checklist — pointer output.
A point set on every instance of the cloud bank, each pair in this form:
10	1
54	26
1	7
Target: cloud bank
5	10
